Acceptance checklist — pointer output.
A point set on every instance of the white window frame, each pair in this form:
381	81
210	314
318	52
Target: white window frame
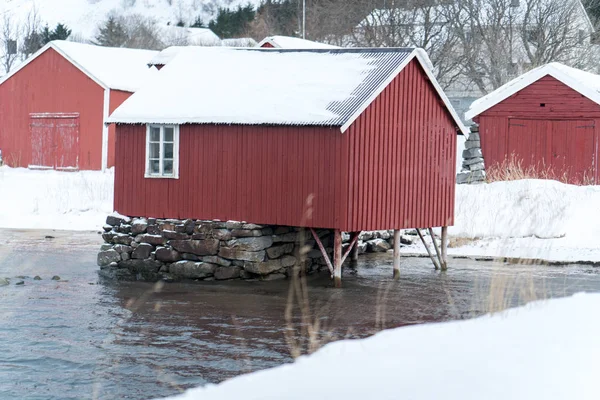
161	175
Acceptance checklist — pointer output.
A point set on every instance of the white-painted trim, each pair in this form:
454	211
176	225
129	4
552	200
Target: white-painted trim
517	84
175	152
416	53
105	113
52	45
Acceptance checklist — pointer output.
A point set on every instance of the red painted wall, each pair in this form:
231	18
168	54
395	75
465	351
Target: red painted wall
117	97
50	84
394	168
267	45
562	134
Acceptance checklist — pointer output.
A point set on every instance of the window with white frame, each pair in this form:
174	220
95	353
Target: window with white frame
162	151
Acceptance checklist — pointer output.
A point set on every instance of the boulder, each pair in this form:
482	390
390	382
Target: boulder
115	220
474	136
206	247
470	161
472	153
263	268
280	230
123	228
267	231
246	233
223	273
252	226
172	235
290	237
143	251
407	239
107	257
125	256
238	254
288	261
106	246
122	238
251	243
121	248
139	226
216	260
472	144
192	270
144	269
167	254
191	257
378	245
222	234
155	240
279	250
364	236
233	225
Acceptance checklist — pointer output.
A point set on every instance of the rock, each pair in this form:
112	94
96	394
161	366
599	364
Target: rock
155	240
280	230
474	136
121	248
20	283
278	251
246	233
106	246
206	247
472	153
364	236
407	239
252	226
180	228
246	275
238	254
56	278
124	228
267	231
290	237
471	144
274	277
199	236
251	243
108	256
125	256
153	230
107	228
216	260
108	236
191	257
345	237
142	252
263	268
470	161
4	282
385	235
233	225
223	273
121	238
476	167
192	270
378	245
143	269
411	232
37	278
222	234
288	261
139	225
167	255
172	235
115	220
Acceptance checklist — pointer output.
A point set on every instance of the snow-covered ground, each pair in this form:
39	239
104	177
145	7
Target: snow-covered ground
55	200
545	350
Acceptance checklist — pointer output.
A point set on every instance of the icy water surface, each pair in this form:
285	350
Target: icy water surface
85	338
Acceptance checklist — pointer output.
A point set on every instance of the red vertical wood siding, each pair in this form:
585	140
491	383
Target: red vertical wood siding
545	115
117	97
50	84
393	168
402	158
267	45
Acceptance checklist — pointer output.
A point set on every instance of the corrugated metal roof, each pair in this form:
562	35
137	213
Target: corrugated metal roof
324	87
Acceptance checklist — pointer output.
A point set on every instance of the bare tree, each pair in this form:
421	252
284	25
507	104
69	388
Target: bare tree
31	40
8	36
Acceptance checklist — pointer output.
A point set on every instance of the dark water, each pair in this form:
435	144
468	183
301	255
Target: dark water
85	338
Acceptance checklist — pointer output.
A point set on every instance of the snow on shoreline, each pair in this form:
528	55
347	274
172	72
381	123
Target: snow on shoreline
77	201
544	350
537	219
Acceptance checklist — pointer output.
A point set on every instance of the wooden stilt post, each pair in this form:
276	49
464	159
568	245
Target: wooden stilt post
354	254
435	246
427	248
396	254
337	258
444	248
323	252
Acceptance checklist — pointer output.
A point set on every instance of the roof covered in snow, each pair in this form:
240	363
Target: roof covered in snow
287	42
586	83
217	85
112	68
190	36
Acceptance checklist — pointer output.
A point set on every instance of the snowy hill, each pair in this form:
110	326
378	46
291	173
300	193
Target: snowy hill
84	16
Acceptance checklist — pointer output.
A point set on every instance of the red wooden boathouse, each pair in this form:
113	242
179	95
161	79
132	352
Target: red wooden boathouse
53	106
547	119
365	136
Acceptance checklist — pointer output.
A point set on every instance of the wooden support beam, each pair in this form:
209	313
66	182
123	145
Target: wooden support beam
396	254
337	258
353	243
444	248
427	248
323	252
435	246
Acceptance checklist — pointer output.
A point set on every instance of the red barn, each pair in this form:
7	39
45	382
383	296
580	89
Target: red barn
53	106
366	136
547	119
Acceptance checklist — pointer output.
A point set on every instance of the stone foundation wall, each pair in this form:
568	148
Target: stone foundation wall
473	168
152	249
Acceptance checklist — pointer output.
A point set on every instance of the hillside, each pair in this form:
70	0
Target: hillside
84	16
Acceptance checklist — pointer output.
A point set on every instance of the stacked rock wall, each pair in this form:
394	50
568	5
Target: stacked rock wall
152	249
473	168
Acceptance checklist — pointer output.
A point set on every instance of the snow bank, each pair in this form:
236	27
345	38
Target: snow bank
54	200
545	350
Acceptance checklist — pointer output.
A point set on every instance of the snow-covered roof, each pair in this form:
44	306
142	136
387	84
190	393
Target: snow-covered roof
219	85
586	83
239	42
287	42
165	56
110	67
190	36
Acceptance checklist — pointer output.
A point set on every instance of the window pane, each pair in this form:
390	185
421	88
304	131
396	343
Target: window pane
154	150
154	134
168	167
154	167
168	147
168	134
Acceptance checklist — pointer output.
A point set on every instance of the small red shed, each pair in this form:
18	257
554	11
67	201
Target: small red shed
366	136
53	106
547	119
